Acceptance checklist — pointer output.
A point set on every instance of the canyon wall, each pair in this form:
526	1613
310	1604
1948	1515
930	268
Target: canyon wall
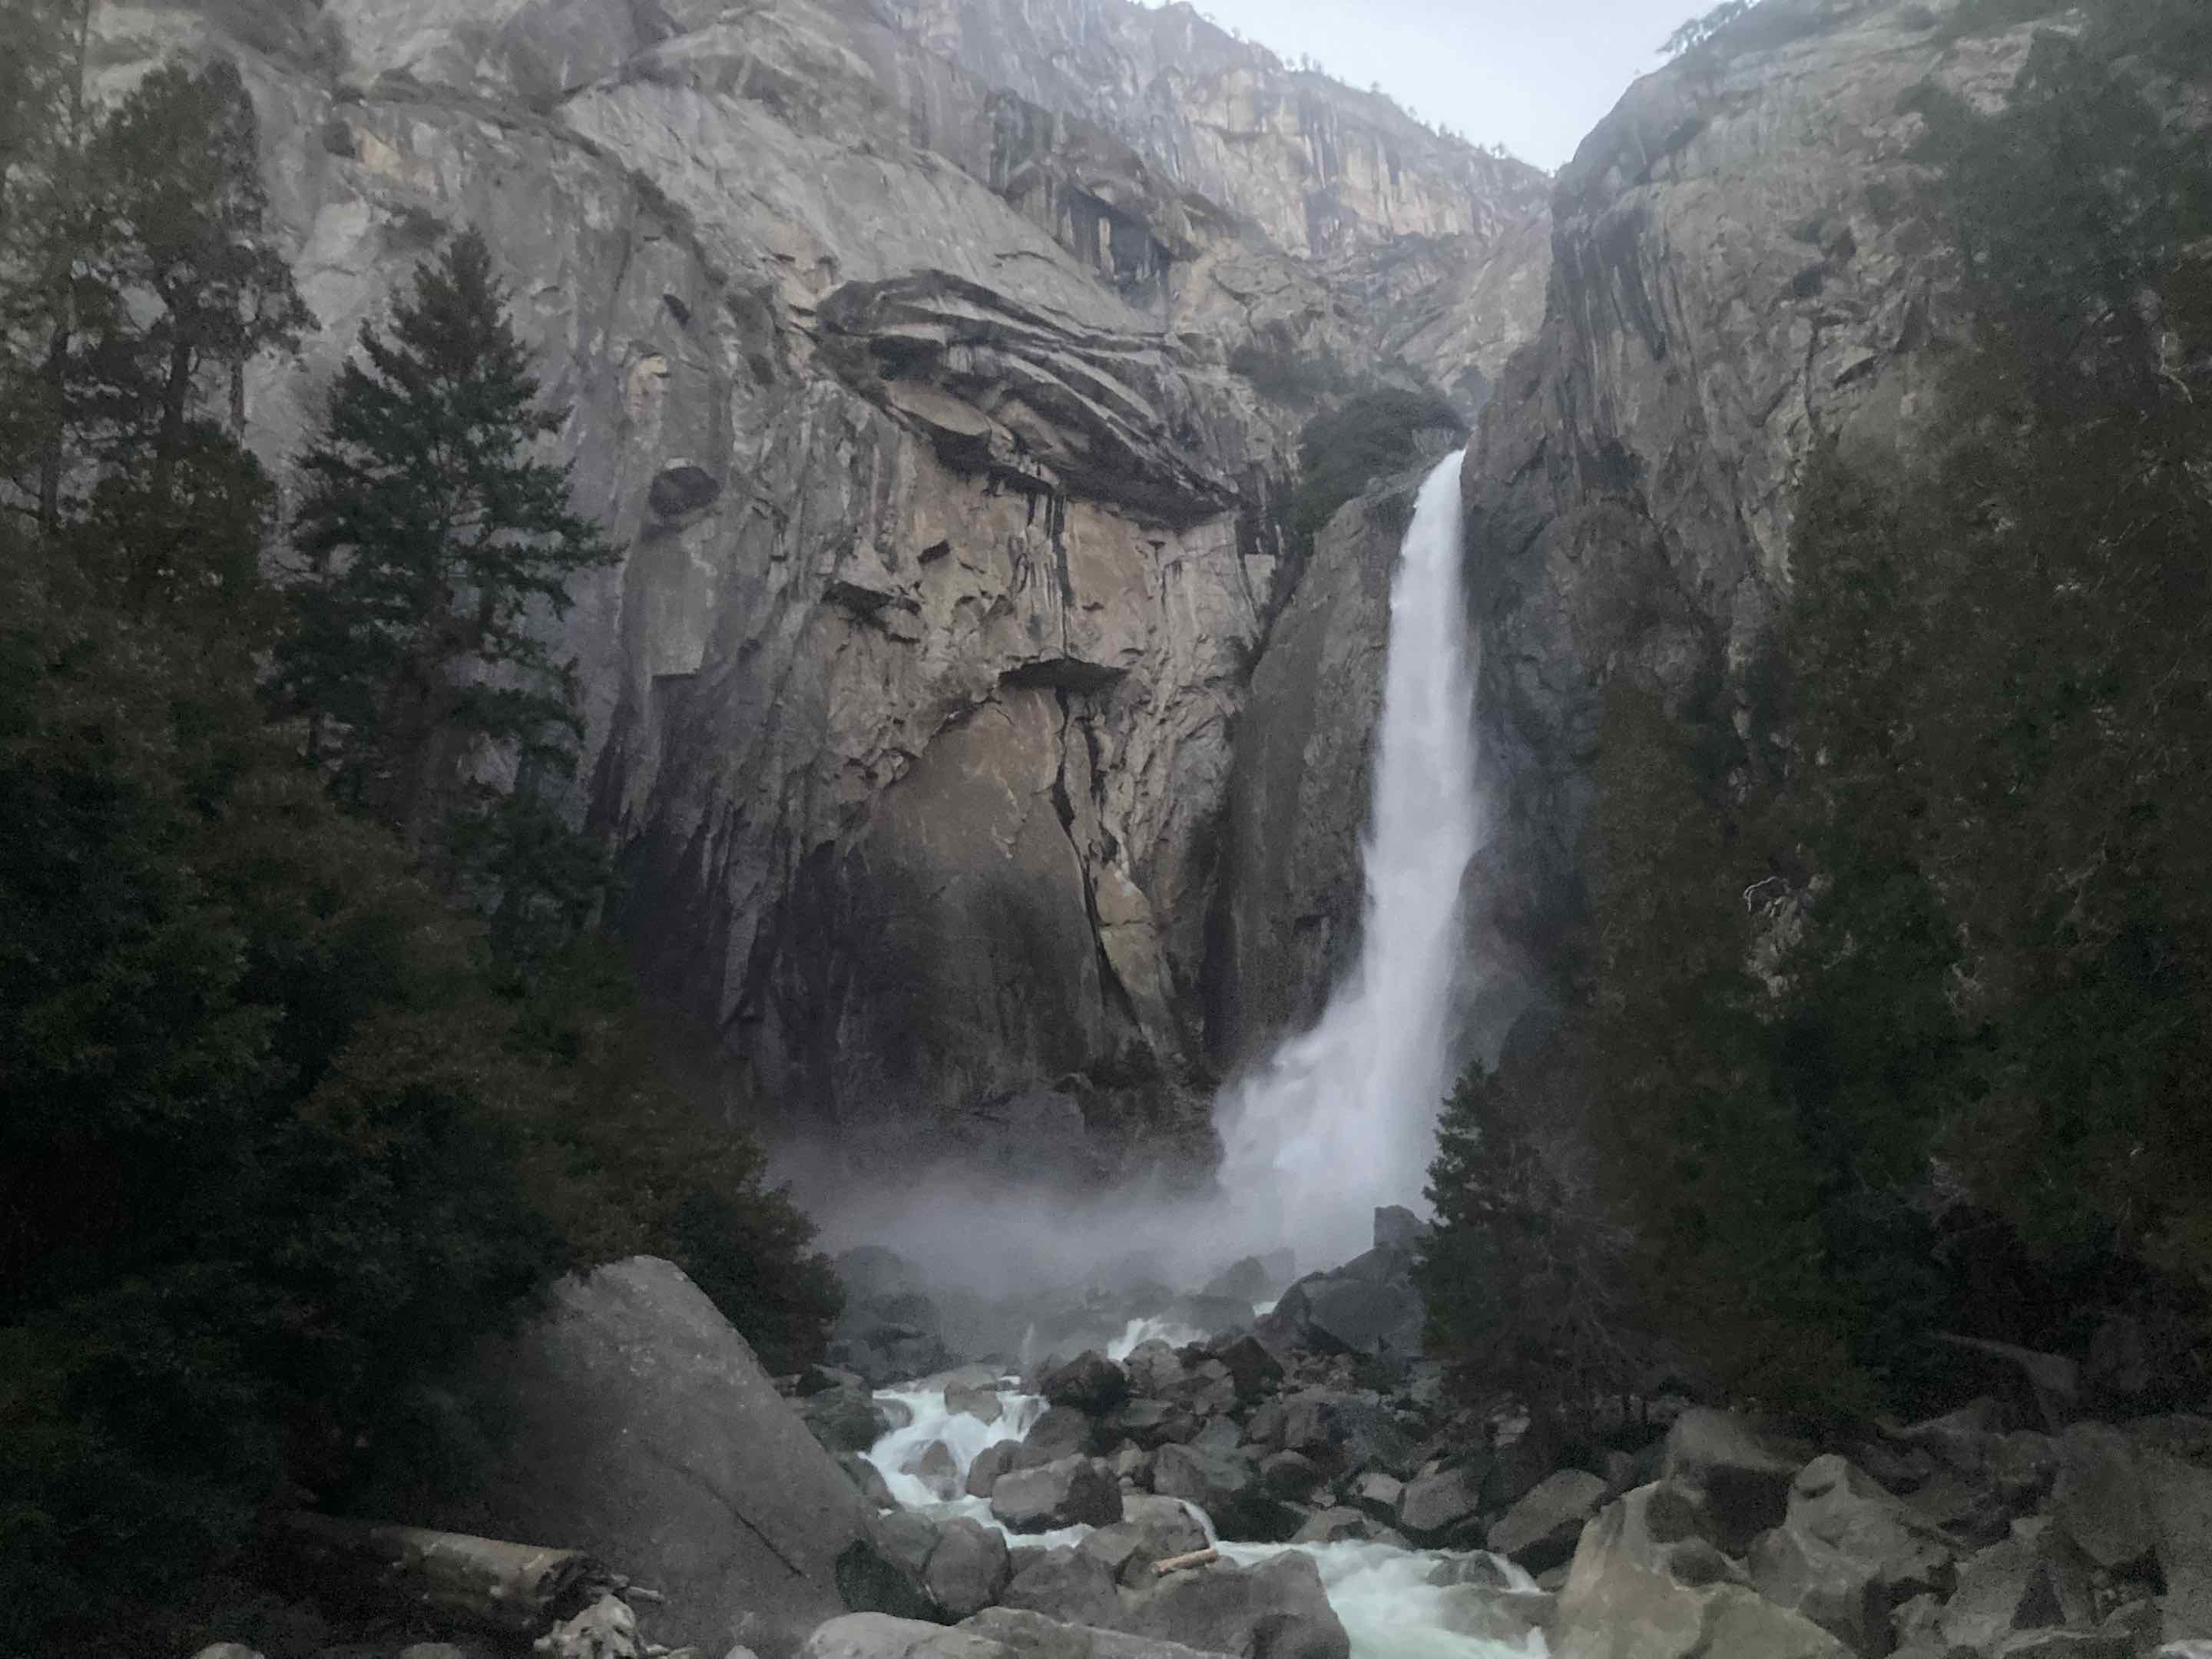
939	366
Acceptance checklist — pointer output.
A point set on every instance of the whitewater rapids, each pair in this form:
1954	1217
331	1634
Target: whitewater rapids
1381	1594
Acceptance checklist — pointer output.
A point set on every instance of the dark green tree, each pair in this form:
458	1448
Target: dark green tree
435	546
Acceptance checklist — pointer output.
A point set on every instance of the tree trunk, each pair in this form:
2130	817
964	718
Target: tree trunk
521	1588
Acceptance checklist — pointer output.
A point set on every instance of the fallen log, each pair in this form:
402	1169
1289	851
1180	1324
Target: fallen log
521	1588
1177	1563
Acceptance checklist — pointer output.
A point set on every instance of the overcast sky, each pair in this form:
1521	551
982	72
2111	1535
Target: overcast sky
1532	75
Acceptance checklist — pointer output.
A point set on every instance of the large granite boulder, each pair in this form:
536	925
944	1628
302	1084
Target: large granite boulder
1070	1492
1090	1382
1227	1485
1743	1469
1276	1610
1648	1582
1540	1531
633	1422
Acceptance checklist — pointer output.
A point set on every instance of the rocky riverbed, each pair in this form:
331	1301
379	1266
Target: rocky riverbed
1272	1472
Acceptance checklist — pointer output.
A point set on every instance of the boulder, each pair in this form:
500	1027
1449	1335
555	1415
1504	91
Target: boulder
637	1425
1154	1368
1848	1553
2100	1496
1742	1468
1836	1591
1062	1432
1029	1635
1343	1431
1252	1369
988	1464
1438	1506
2068	1645
1090	1382
1075	1586
936	1468
2030	1581
845	1418
2180	1497
1225	1483
1289	1474
1276	1610
1646	1583
969	1569
908	1537
1071	1492
1397	1227
878	1635
1378	1494
1503	1616
1165	1524
978	1400
1151	1423
1542	1530
868	1478
1334	1526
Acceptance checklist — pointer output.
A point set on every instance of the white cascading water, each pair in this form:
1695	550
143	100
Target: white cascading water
1343	1118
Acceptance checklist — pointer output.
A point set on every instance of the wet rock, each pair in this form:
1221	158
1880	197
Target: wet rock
1542	1530
908	1538
1062	1432
1154	1370
1224	1483
988	1464
1033	1635
1290	1475
2099	1497
1848	1553
1378	1494
1073	1586
1151	1423
2013	1586
936	1468
845	1418
1334	1526
1277	1610
2180	1501
969	1569
878	1636
1343	1432
1252	1368
1089	1384
1495	1615
1074	1491
1438	1506
869	1478
1646	1584
1742	1468
1164	1524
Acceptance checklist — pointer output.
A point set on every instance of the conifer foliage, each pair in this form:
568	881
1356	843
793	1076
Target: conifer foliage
433	544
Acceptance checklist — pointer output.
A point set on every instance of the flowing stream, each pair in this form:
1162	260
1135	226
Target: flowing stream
1384	1595
1343	1118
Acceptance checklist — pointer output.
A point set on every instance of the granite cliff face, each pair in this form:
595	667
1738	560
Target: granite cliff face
1745	260
939	362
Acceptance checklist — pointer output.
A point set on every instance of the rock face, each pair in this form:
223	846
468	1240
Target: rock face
939	363
1742	258
632	1422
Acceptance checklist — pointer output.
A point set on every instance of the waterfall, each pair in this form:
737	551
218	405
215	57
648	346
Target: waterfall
1343	1118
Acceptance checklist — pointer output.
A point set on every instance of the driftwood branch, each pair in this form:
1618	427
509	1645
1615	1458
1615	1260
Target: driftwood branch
510	1587
1177	1563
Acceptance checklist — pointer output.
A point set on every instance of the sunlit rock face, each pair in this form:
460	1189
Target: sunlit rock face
1744	259
940	366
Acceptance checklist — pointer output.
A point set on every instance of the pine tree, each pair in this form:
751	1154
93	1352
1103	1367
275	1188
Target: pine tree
432	546
142	281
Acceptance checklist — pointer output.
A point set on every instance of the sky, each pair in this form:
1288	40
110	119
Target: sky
1532	75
